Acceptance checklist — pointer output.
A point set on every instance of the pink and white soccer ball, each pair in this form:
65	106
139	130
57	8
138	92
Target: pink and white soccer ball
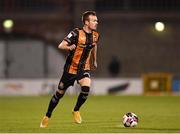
130	120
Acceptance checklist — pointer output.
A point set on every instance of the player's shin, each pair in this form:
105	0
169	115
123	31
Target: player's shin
82	97
54	101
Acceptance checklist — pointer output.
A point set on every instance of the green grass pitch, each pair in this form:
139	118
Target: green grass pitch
101	114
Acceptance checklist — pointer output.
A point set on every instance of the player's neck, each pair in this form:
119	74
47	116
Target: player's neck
86	29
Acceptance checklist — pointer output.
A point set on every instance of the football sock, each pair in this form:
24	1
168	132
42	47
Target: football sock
82	97
53	102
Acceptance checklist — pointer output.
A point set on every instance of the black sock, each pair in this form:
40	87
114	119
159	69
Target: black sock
53	103
82	97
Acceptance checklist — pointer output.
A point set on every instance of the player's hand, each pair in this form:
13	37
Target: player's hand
72	47
94	66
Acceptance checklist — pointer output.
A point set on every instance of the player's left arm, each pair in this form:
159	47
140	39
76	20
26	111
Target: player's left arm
94	51
94	57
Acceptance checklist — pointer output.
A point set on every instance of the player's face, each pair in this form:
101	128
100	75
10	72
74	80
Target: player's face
93	22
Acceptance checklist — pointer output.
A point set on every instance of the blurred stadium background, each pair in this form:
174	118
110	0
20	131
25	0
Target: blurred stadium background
138	54
130	50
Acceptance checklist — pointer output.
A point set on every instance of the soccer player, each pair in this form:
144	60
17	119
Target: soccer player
81	43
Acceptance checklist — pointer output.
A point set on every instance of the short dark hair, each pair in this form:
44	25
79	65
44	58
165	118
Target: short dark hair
86	15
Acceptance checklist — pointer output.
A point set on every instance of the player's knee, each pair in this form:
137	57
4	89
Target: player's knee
57	96
61	89
61	86
85	89
85	82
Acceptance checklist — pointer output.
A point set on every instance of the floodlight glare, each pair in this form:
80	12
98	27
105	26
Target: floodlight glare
159	26
8	24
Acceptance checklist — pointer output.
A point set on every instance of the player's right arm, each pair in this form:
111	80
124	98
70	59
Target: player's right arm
69	42
64	45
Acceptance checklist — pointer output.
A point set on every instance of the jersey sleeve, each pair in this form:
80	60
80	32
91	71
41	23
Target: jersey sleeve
96	37
72	37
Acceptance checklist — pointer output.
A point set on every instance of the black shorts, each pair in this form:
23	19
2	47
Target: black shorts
68	79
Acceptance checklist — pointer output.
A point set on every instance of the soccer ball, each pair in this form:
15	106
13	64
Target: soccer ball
130	120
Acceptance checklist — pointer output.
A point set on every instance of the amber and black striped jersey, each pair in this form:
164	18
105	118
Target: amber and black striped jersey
79	58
